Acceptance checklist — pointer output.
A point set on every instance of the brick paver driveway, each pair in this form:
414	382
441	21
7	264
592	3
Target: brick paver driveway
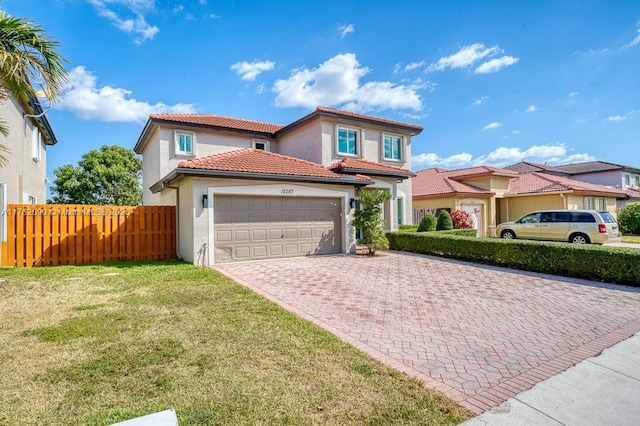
480	334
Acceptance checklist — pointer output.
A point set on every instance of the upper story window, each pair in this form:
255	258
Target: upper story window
392	147
348	142
263	145
638	181
185	143
627	180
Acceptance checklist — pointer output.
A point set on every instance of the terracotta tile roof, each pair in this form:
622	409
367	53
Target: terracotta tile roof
349	114
527	166
437	182
255	161
570	169
332	112
633	193
536	182
351	165
219	121
588	167
479	171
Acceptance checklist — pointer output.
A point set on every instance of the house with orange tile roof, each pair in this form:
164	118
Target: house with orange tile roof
494	195
618	176
248	190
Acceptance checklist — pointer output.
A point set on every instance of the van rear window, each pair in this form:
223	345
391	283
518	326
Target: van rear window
607	217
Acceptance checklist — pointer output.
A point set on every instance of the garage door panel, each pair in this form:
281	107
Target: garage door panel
224	236
259	235
249	228
242	235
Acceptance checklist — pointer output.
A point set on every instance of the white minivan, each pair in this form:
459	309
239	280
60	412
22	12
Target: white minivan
574	226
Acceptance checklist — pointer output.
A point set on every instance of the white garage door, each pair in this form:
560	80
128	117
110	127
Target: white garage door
248	228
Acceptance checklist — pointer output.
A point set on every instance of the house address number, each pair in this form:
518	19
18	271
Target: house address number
287	191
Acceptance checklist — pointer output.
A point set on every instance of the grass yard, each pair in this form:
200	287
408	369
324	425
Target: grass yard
96	345
631	239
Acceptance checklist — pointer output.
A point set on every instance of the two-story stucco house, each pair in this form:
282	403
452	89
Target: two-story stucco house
248	190
23	177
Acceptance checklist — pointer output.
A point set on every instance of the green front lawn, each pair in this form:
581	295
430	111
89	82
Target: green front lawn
631	239
101	344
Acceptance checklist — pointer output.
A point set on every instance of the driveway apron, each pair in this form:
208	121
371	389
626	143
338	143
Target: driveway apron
479	334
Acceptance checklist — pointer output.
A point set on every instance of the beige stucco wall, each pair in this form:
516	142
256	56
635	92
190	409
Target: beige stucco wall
435	203
515	207
305	143
22	174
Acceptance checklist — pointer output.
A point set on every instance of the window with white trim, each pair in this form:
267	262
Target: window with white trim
400	211
348	141
638	181
627	180
36	142
392	147
595	203
185	143
262	145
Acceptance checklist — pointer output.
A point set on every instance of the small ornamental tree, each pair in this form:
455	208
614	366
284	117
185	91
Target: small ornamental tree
461	219
428	223
629	219
368	219
444	221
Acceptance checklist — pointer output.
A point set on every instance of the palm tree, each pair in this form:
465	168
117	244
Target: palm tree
27	54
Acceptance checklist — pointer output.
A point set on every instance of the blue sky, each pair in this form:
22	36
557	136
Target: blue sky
491	82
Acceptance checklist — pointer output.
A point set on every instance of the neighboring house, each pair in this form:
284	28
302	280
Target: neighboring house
251	190
23	178
493	195
597	172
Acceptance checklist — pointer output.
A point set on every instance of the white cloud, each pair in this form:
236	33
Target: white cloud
414	65
396	68
464	57
615	118
135	25
495	65
84	98
214	16
491	126
345	29
261	89
636	40
551	153
336	82
250	70
531	108
432	160
480	101
573	94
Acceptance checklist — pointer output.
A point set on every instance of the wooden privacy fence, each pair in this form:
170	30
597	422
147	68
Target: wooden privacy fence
55	234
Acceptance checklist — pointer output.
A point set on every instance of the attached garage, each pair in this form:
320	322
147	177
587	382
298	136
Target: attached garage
254	227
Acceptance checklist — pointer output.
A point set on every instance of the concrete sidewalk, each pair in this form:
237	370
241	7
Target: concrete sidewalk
602	390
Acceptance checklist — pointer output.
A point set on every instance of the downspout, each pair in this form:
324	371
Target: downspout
564	201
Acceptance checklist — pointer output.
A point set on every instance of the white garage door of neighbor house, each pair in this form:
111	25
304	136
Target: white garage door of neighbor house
249	228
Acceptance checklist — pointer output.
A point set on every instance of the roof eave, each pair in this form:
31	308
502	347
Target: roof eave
453	194
377	172
178	173
412	130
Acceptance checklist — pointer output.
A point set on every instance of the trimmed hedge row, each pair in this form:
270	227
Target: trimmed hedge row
598	263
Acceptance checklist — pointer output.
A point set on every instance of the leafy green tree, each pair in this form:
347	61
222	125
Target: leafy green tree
27	54
444	221
629	219
110	176
370	221
428	223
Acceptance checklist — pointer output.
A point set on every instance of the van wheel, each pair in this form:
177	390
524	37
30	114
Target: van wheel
508	234
579	239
